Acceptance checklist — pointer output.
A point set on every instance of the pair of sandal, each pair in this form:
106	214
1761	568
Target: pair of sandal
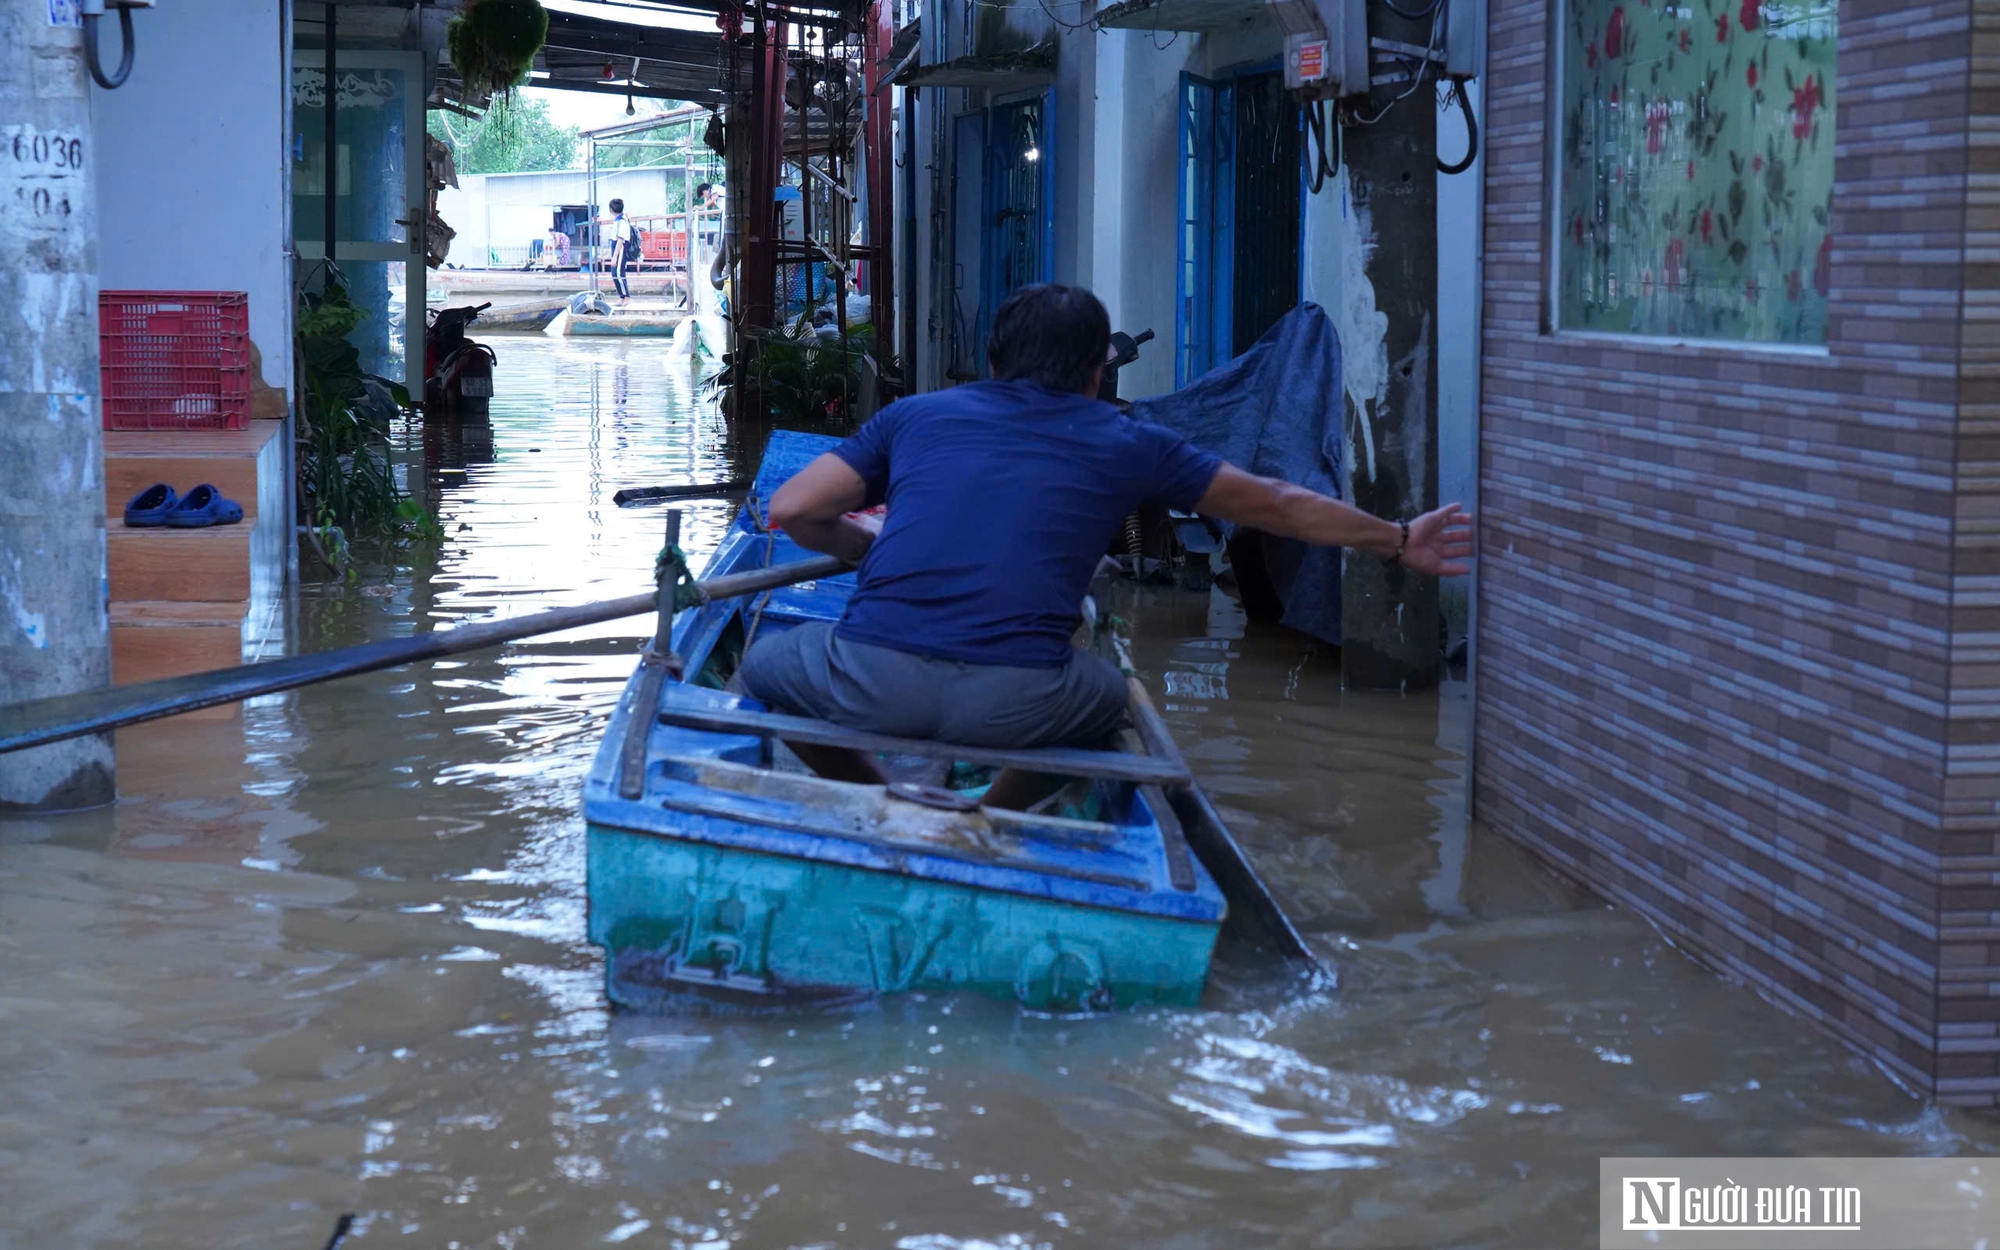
158	505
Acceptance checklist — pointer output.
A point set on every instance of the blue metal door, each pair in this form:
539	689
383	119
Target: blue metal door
1018	217
1206	238
1267	196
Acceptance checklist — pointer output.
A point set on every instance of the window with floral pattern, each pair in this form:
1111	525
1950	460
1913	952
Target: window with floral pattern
1695	168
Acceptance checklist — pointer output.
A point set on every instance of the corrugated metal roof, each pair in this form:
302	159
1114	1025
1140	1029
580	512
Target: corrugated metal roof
1199	16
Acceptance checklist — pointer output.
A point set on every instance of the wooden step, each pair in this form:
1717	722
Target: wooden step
184	459
186	566
153	639
168	614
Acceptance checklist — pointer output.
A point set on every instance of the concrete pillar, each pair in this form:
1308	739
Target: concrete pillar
1389	615
55	634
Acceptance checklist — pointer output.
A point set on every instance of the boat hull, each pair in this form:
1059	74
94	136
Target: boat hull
720	875
679	918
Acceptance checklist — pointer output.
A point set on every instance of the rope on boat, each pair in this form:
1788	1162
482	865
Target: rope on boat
672	562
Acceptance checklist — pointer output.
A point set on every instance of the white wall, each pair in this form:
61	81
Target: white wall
463	208
510	210
192	172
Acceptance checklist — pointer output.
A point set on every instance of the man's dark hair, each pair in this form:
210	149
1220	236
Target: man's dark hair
617	206
1049	334
701	191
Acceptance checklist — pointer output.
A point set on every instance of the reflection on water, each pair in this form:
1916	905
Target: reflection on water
329	957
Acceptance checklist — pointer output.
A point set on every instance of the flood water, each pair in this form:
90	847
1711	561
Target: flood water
327	956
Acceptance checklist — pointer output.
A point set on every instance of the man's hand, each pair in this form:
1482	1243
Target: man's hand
812	507
1440	542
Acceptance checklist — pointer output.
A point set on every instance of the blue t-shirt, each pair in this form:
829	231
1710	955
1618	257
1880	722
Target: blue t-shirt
1002	498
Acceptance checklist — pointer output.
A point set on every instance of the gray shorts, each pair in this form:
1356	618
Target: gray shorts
810	671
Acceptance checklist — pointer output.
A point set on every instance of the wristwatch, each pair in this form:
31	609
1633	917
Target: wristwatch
1402	543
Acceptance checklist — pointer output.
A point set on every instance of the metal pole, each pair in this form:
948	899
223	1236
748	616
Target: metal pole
332	129
55	634
687	216
590	194
663	629
758	276
805	187
881	33
907	220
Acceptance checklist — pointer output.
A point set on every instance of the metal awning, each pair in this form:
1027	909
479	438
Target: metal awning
650	62
1206	17
1000	71
902	54
661	63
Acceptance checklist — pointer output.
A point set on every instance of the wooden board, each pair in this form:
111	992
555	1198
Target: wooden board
1061	761
225	459
189	566
150	641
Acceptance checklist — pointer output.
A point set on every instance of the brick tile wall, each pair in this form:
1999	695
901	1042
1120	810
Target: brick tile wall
1739	661
1969	886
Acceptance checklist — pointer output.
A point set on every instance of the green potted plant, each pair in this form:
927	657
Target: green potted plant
493	44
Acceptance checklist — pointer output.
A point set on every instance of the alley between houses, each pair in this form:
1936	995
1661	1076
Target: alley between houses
329	955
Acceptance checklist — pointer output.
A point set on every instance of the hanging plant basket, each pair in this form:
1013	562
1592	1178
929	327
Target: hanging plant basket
494	42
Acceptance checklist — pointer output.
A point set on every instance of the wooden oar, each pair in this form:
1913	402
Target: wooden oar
700	490
42	721
1203	829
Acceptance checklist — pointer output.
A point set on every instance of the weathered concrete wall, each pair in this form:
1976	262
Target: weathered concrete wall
193	166
55	634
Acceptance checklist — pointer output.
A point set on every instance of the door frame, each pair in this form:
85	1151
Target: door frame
1205	225
411	251
1204	318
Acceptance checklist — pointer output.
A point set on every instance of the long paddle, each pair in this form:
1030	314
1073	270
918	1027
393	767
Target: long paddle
1202	827
43	721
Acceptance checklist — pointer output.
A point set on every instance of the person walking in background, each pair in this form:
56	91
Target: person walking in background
622	243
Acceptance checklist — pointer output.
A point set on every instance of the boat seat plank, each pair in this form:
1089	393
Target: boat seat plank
1061	761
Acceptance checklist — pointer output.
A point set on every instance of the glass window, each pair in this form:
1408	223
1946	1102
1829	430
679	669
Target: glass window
369	137
1695	168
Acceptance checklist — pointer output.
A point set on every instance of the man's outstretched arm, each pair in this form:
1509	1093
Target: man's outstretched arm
812	507
1440	541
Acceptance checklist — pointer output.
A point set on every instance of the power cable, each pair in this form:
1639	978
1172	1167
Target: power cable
1422	71
90	45
1318	141
1457	88
1050	13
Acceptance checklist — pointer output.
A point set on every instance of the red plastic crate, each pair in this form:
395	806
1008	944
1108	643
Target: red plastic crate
174	360
664	245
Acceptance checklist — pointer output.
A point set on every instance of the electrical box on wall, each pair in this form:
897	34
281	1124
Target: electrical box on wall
1464	38
1326	45
1327	48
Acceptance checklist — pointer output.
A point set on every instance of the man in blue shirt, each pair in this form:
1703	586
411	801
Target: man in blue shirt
1002	498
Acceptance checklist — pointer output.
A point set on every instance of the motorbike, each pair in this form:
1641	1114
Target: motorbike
1158	544
458	372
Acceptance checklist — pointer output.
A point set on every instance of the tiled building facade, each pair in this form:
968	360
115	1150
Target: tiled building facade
1740	607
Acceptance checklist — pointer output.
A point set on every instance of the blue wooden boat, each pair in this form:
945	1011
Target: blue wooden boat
721	868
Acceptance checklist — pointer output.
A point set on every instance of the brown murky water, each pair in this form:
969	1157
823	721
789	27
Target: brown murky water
328	957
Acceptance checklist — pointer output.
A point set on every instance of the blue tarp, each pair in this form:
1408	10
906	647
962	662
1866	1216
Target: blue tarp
1276	411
